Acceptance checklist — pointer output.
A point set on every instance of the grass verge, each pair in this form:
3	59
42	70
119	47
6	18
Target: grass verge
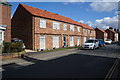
60	49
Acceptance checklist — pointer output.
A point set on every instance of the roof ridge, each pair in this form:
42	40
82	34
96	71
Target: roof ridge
44	10
101	30
112	30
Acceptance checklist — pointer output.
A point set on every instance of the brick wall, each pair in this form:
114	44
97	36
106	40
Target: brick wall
27	27
49	32
22	26
5	12
99	34
111	35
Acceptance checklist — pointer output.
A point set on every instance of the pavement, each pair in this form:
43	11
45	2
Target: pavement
37	55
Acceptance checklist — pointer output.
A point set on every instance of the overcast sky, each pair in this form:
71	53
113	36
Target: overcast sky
95	14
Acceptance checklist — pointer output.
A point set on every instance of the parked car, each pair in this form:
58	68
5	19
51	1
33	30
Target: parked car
18	40
119	43
101	43
91	44
108	41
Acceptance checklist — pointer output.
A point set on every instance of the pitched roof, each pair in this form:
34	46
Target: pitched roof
101	30
46	14
111	30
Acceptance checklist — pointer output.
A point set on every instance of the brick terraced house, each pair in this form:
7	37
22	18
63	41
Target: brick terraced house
40	29
101	34
5	22
112	34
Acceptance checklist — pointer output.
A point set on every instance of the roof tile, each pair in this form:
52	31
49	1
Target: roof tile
101	30
46	14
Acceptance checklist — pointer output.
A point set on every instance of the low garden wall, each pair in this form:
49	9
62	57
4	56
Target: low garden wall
11	50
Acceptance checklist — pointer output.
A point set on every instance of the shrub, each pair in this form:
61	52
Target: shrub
6	47
9	47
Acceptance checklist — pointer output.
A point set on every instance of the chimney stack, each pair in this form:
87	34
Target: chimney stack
111	28
117	29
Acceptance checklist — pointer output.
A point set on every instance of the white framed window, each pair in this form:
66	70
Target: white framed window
78	28
90	32
56	25
71	27
42	23
65	27
85	31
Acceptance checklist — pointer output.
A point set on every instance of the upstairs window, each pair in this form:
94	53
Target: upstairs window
71	27
42	23
65	27
56	25
85	31
90	32
78	28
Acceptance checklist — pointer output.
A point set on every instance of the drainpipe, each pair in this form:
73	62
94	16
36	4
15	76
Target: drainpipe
33	32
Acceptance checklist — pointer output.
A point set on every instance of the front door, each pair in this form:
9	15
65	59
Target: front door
64	41
84	39
78	41
71	41
42	42
55	41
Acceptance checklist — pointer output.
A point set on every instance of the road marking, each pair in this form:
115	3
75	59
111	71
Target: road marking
109	75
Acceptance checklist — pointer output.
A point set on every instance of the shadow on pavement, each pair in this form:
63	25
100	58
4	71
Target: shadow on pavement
71	66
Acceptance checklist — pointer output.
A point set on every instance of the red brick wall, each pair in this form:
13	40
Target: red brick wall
22	26
27	27
49	32
6	20
99	34
111	35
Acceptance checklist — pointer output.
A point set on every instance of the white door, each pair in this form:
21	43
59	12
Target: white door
42	42
78	41
1	37
71	41
55	41
84	39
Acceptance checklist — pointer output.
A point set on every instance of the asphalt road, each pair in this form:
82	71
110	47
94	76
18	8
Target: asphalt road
84	64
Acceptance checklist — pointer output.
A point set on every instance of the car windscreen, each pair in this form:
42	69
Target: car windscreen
90	41
108	40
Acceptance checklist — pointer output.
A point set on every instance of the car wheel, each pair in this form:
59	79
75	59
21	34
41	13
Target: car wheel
94	48
98	47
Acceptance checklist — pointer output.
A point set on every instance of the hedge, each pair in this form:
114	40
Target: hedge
10	47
